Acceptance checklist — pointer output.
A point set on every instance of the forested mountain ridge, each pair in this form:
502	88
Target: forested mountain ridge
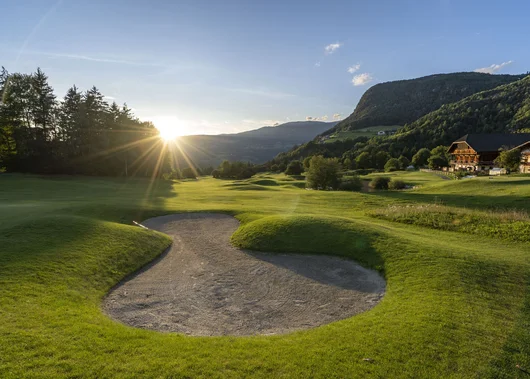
404	101
505	109
256	146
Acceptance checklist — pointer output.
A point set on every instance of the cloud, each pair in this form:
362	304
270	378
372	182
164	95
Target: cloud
337	116
330	49
109	97
317	64
323	118
354	68
362	79
493	68
95	59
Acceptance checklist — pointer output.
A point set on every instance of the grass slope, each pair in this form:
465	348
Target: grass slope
456	305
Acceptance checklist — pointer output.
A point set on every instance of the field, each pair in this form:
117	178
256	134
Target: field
457	302
365	132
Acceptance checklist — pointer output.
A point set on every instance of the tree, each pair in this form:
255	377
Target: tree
509	159
403	162
42	103
347	164
392	165
441	151
323	173
364	160
380	158
294	168
436	162
307	162
421	157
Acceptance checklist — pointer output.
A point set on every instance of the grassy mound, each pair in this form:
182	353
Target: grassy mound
311	235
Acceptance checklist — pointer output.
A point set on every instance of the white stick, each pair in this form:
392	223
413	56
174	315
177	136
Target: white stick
140	225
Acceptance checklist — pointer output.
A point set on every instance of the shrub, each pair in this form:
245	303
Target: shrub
188	173
397	184
275	168
380	183
392	165
323	173
216	174
351	184
294	168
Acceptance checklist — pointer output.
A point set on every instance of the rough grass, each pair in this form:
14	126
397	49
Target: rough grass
511	225
457	304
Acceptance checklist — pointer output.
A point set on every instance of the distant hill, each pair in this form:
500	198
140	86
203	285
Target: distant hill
404	101
504	109
256	146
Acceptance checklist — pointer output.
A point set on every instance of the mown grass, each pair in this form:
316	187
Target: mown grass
457	304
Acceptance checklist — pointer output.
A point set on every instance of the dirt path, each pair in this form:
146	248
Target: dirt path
204	286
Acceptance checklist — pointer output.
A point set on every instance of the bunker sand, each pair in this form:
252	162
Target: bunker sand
204	286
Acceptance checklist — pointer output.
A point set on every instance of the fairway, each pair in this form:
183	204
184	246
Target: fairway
456	302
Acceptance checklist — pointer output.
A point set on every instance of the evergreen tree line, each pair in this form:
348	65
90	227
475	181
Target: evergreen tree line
78	134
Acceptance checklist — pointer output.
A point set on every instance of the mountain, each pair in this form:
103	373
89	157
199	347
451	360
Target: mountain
256	146
404	101
504	109
500	110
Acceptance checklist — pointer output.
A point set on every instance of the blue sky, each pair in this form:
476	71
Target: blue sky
227	66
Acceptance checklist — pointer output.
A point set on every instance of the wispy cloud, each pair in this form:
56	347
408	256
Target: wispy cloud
95	59
337	116
317	64
493	68
354	68
109	97
263	92
332	47
362	79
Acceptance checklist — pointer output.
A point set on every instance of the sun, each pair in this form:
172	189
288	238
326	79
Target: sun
169	128
168	134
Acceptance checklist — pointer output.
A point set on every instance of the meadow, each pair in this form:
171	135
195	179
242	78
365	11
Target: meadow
369	132
457	303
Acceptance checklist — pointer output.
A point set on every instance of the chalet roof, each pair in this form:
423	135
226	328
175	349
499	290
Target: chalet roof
493	141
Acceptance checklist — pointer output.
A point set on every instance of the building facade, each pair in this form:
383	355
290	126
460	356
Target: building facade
477	152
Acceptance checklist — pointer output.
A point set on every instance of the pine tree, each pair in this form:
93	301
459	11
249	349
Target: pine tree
43	104
69	120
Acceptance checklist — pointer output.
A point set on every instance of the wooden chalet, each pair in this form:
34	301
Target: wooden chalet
477	152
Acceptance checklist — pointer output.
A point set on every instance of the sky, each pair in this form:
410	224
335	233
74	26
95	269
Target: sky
210	67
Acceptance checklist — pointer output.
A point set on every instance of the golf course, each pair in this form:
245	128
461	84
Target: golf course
454	255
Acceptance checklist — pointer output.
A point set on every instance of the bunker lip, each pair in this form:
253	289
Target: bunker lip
204	286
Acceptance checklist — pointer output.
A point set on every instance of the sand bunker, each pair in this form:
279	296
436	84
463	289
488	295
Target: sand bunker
204	286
